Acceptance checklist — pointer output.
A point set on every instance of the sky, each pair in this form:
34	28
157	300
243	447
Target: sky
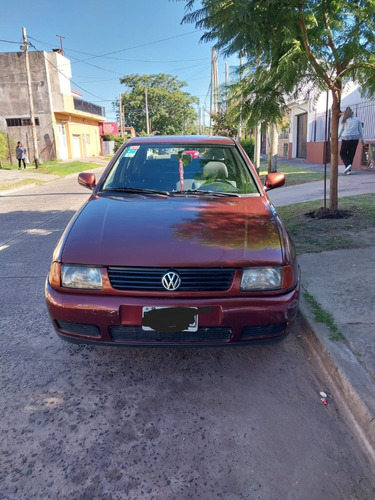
106	40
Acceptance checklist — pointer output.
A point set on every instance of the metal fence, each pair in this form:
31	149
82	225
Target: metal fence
88	107
365	111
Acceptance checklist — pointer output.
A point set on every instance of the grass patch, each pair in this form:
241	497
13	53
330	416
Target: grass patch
322	316
294	175
64	169
59	168
318	235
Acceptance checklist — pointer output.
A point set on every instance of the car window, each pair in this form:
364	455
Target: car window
176	168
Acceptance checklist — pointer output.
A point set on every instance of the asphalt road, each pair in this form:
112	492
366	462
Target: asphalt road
101	423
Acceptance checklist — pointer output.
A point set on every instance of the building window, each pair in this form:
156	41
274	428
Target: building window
87	138
20	122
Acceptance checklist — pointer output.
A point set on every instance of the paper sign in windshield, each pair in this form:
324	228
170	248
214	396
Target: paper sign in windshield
131	151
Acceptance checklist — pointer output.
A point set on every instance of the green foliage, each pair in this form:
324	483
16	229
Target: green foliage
118	142
293	42
170	109
248	145
3	146
109	137
323	316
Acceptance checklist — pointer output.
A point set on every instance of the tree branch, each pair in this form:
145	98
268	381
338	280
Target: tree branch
309	52
353	67
331	44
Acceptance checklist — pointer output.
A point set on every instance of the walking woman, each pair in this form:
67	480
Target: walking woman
350	131
21	155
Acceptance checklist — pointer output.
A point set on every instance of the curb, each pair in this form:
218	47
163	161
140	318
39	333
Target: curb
354	389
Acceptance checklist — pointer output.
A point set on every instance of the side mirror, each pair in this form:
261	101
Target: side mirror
274	180
86	180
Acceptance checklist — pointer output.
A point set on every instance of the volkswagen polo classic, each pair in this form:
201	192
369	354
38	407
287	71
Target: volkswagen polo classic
177	244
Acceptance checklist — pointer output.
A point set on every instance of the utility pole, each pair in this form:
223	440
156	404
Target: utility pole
31	103
257	146
226	86
215	76
147	119
123	117
214	87
204	121
239	130
199	118
121	120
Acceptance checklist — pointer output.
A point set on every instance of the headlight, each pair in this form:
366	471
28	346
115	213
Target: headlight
88	278
261	279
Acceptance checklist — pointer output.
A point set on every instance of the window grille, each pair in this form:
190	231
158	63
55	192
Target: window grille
20	122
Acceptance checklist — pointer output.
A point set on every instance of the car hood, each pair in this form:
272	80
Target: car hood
173	231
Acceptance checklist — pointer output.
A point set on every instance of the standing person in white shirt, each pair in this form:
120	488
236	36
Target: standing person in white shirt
350	131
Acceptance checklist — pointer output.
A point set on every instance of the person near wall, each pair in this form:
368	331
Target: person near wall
350	132
21	155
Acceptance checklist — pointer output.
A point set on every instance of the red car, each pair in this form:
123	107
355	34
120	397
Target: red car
175	248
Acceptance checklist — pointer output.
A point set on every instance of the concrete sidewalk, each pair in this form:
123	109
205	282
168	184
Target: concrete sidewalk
348	185
342	282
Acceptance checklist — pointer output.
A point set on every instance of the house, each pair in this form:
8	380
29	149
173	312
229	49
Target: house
66	126
310	124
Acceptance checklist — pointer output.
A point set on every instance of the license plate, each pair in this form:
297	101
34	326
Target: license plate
170	319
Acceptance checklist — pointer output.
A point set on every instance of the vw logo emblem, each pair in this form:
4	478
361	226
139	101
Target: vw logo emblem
171	281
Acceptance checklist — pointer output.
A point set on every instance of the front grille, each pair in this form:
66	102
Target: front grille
136	334
192	279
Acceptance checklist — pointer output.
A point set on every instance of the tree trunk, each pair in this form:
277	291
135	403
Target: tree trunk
257	144
273	140
333	193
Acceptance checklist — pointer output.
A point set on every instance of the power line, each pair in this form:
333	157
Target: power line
95	56
131	60
9	41
138	46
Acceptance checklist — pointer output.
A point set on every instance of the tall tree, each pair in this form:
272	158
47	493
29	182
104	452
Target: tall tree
291	43
170	109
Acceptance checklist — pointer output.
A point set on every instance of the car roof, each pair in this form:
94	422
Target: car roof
182	139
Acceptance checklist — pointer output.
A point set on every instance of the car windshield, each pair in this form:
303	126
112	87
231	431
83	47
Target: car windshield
181	169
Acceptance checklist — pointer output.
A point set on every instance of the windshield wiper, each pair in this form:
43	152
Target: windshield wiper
138	190
204	192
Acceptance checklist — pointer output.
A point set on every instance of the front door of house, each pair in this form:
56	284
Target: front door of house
76	147
63	146
301	135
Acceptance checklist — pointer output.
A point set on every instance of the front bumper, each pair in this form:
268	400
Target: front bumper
117	320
